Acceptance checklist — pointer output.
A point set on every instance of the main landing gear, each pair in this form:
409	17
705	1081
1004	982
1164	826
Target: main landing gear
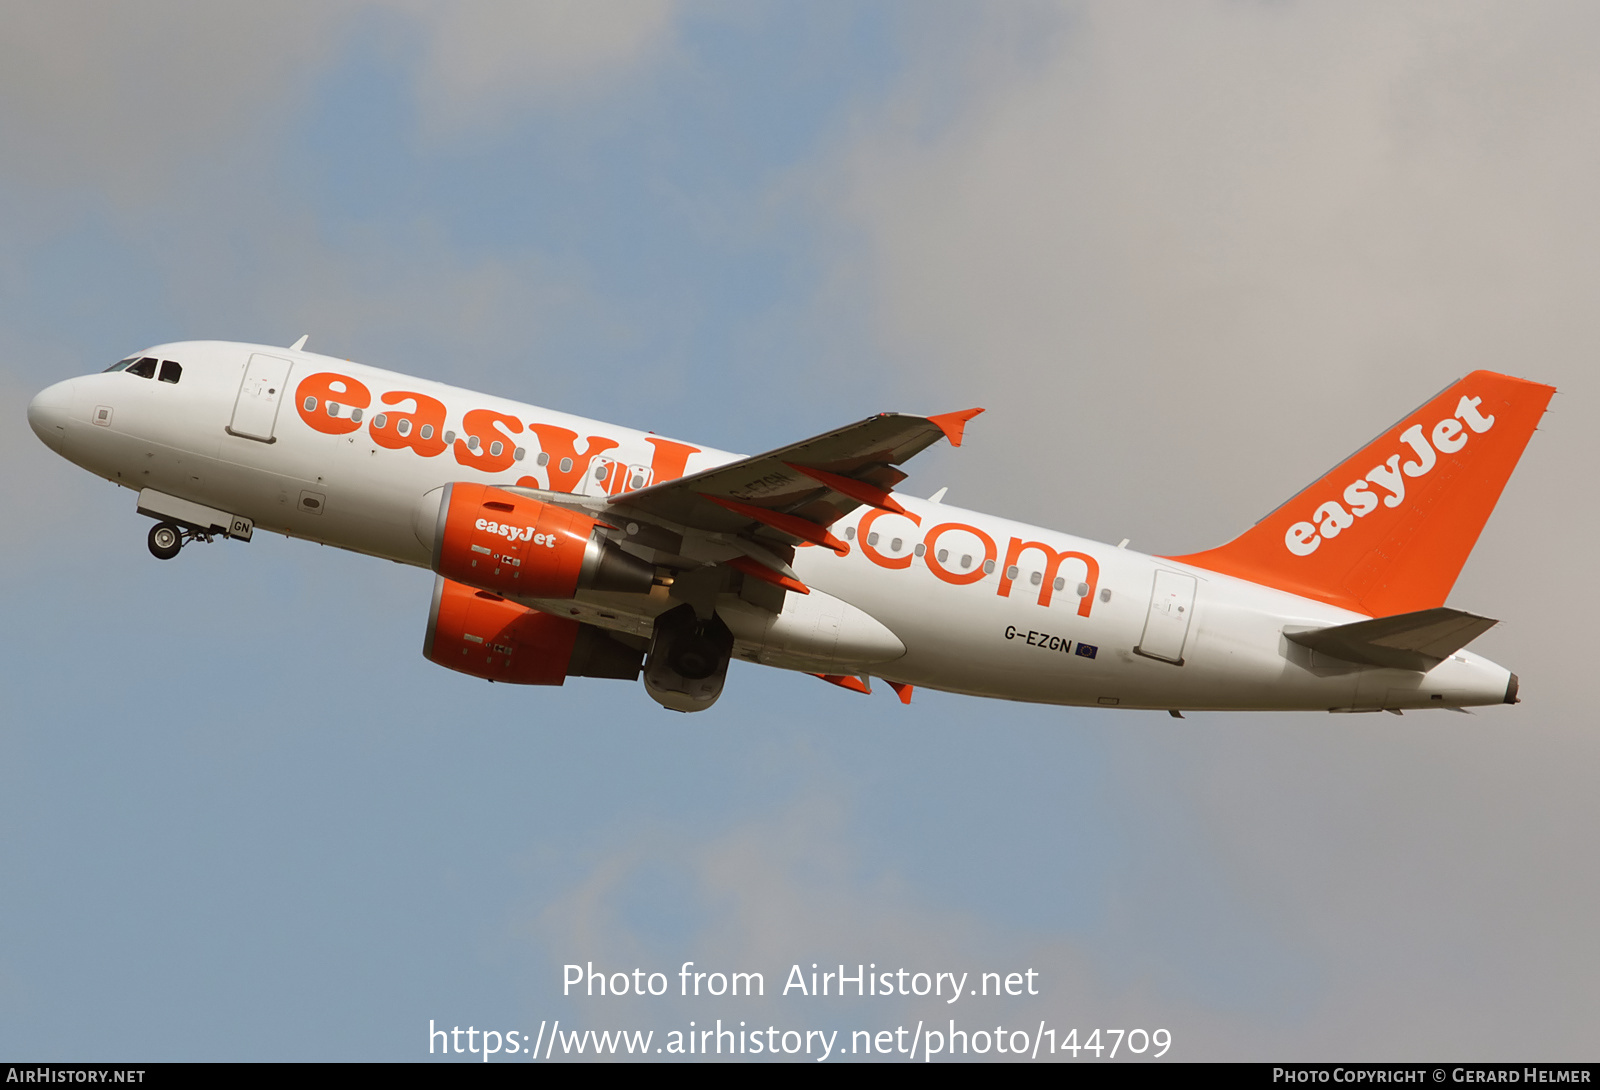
168	538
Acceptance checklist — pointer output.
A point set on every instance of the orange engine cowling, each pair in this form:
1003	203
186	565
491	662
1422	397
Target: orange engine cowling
500	541
480	633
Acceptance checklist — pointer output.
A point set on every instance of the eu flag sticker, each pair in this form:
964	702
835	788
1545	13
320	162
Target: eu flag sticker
1087	650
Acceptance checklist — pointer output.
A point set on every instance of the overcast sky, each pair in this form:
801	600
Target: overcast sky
1188	256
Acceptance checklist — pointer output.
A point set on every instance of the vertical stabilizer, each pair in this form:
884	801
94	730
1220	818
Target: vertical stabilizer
1388	531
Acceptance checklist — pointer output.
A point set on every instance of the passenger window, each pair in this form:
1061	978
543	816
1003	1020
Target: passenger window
121	365
145	368
170	371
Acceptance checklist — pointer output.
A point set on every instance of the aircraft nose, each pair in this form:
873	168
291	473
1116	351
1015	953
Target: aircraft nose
48	413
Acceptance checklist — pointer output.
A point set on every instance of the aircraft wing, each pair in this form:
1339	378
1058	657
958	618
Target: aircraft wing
790	496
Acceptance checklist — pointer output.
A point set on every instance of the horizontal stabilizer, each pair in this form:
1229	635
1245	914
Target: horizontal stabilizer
1406	641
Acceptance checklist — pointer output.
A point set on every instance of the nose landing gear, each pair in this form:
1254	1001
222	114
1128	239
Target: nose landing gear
168	538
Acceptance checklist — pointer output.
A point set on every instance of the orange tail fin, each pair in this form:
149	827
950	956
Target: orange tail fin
1389	530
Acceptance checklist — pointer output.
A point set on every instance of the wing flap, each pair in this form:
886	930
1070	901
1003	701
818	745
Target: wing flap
1405	641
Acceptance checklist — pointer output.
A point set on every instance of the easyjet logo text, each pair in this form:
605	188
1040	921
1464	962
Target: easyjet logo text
516	533
336	404
1385	483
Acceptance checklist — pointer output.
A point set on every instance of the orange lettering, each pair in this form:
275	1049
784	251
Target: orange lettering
670	459
870	552
561	445
406	429
316	393
937	568
482	423
1053	561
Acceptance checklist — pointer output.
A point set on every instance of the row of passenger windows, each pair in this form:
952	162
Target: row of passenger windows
943	555
402	427
145	367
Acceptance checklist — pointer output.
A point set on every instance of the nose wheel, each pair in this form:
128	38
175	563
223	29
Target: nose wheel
166	539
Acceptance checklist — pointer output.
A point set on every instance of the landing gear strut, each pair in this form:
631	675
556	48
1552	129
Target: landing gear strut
167	538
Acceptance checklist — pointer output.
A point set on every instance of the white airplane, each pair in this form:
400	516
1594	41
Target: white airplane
566	547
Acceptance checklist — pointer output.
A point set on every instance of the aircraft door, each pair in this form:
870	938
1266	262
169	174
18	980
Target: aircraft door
1166	626
597	478
255	410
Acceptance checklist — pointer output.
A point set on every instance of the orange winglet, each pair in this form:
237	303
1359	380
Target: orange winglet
904	691
849	486
845	681
804	529
757	570
954	424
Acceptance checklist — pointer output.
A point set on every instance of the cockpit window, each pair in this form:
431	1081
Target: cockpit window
122	365
170	371
145	368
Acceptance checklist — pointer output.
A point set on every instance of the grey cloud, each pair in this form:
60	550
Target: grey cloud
488	59
787	887
1192	256
121	98
116	97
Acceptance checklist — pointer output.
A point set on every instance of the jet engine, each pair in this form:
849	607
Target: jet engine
480	633
688	660
490	538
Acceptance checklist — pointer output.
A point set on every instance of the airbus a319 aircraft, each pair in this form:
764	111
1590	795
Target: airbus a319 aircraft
564	547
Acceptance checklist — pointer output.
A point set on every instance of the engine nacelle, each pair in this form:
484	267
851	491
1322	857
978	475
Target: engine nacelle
478	632
497	540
